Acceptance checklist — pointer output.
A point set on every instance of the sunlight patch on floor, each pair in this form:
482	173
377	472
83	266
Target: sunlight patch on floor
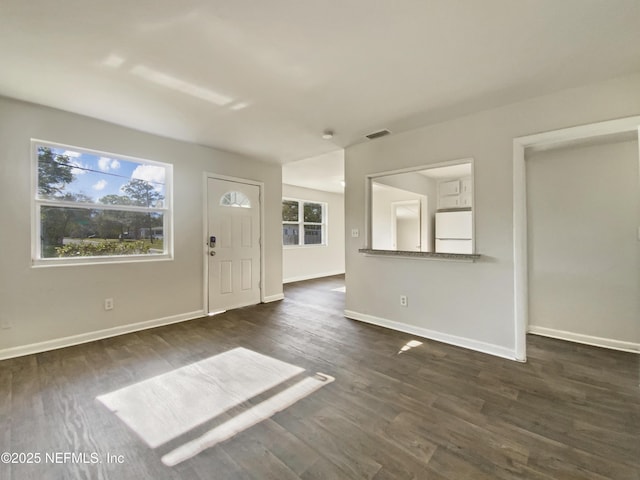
342	289
409	345
164	407
247	419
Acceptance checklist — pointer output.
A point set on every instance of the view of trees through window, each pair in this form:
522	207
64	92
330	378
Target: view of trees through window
307	218
91	204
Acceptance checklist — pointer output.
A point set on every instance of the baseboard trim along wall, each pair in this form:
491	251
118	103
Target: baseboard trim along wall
586	339
97	335
311	277
273	298
483	347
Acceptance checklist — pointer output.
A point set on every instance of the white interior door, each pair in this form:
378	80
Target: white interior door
233	239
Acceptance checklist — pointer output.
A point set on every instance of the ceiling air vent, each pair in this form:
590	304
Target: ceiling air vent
378	134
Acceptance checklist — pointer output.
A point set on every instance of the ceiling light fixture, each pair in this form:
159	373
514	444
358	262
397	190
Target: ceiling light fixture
327	134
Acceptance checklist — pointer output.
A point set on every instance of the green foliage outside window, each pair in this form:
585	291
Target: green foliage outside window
290	211
312	212
104	247
88	228
54	172
308	230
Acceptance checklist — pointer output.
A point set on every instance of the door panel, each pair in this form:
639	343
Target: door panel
226	276
247	237
247	274
233	261
224	233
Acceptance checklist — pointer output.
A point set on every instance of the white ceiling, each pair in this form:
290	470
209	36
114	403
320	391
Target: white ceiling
323	172
450	171
265	78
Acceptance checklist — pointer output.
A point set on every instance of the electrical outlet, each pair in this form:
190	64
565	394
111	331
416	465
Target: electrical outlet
404	301
108	303
355	233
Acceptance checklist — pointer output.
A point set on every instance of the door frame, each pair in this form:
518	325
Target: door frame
205	228
520	144
394	218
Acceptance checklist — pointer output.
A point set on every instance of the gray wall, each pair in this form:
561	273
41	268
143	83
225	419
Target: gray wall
583	206
470	304
44	304
301	263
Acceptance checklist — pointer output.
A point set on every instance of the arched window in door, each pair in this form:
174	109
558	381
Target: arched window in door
235	199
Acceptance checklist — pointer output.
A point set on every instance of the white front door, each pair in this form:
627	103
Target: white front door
233	240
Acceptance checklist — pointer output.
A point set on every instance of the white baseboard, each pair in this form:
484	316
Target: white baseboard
471	344
586	339
97	335
273	298
312	276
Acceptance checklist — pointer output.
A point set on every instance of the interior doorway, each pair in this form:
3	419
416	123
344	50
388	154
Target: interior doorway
583	209
623	126
406	225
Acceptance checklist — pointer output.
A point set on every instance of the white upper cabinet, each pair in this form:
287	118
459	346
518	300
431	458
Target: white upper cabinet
450	187
456	193
449	201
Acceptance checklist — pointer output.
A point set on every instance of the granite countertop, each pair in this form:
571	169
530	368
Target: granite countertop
460	257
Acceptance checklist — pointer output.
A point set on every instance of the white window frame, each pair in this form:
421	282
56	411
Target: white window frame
37	203
301	223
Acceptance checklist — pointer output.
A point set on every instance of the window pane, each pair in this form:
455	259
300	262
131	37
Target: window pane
313	212
289	211
235	199
290	234
312	234
76	176
83	232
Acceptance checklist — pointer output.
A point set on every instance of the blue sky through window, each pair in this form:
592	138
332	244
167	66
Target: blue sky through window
96	175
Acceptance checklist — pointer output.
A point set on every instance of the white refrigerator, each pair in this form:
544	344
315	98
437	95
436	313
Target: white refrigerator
454	232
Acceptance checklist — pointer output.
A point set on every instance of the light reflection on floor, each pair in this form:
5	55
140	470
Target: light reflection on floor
168	406
409	345
247	419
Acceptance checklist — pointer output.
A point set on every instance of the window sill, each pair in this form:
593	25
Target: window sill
81	261
452	257
293	247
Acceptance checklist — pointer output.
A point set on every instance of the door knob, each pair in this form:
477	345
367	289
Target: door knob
212	253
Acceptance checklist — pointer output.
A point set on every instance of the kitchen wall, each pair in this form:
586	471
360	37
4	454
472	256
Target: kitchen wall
49	303
382	214
584	253
381	207
468	304
302	263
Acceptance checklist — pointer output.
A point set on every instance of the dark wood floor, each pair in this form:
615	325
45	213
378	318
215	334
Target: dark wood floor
433	411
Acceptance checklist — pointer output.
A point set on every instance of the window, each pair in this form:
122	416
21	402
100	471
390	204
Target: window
426	209
235	199
303	223
94	207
